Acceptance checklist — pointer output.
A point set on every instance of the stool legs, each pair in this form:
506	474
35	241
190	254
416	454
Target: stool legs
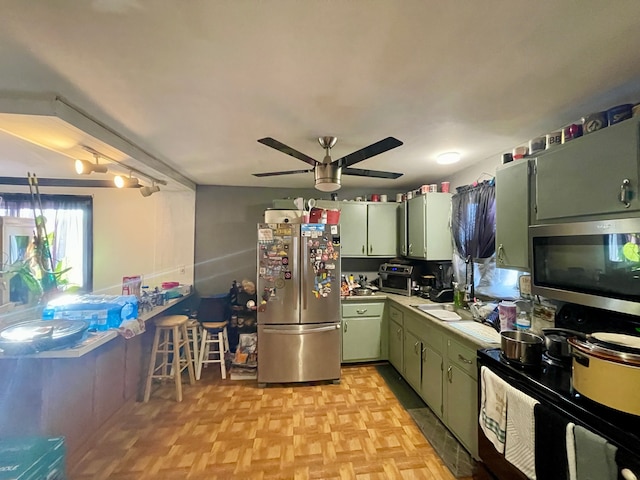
170	341
219	339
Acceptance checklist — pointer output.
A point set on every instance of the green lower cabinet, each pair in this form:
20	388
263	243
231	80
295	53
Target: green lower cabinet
396	339
361	339
461	394
431	389
412	359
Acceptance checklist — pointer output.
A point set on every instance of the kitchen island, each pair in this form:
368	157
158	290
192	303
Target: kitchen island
74	391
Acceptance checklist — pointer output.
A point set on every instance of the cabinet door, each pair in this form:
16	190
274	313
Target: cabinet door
361	338
353	229
416	217
584	176
382	229
402	229
512	215
438	244
462	407
395	344
432	378
412	359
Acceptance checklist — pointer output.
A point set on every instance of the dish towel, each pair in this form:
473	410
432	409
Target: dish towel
493	407
519	446
571	452
550	443
595	457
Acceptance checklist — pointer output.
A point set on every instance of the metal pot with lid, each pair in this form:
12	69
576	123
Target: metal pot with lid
606	369
555	342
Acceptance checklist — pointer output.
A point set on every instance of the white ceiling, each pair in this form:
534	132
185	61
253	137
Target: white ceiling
195	83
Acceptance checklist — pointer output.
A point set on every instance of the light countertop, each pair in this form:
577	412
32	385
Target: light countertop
93	340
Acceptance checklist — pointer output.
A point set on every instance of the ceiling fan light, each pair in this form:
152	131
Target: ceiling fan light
448	158
125	182
328	177
84	168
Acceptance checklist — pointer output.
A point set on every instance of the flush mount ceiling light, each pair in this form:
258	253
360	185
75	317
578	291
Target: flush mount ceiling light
126	182
147	191
448	158
85	168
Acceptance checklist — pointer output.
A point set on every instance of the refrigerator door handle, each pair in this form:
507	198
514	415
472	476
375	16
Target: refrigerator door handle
301	332
303	271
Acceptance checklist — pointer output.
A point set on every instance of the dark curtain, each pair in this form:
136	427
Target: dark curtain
13	203
474	220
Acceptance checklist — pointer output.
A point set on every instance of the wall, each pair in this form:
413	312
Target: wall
152	236
225	240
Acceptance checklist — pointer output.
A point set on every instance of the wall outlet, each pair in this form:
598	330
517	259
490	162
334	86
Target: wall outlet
181	269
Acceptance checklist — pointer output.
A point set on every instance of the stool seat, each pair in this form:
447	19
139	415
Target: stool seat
214	325
170	353
171	321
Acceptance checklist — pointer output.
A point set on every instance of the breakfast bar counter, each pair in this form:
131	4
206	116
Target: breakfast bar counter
72	392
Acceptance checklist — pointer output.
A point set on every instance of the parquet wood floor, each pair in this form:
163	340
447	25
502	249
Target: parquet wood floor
227	429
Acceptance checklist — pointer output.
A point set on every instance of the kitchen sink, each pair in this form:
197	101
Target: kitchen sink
427	307
441	311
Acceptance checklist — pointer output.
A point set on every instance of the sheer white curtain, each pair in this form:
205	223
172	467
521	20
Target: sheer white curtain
69	219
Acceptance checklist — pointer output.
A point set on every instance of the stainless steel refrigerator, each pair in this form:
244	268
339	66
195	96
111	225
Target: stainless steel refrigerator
298	292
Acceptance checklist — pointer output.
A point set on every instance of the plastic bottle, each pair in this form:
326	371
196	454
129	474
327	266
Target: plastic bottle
523	322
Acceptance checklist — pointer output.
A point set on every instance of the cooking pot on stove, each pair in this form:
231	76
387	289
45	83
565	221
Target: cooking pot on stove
606	369
555	342
521	347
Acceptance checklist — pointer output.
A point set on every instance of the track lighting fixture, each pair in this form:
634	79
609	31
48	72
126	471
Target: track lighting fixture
85	168
122	181
147	191
126	182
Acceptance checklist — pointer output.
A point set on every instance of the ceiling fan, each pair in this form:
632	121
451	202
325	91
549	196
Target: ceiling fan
328	173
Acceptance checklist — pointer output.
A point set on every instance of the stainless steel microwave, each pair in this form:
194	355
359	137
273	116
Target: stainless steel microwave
595	263
396	278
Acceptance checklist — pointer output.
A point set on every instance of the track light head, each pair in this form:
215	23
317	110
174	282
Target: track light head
85	168
147	191
126	182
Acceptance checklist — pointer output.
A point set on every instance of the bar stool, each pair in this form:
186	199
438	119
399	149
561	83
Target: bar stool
193	334
166	361
214	333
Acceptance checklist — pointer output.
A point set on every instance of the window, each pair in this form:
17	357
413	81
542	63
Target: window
70	219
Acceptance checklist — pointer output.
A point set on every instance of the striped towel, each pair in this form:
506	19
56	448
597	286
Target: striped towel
519	447
571	452
493	408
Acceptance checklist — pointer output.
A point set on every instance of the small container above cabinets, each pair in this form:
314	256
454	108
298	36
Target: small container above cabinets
428	227
369	229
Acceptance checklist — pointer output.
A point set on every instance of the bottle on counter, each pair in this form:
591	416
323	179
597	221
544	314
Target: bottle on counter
523	321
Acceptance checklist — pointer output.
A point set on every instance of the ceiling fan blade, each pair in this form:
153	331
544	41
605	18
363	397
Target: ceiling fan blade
361	172
368	152
288	172
273	143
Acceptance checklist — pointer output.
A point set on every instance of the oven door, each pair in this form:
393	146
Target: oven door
589	263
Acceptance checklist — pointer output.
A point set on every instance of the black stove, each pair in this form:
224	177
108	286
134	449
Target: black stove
550	383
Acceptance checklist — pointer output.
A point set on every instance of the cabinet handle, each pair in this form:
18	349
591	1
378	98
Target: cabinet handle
423	357
415	347
399	332
363	249
370	248
346	326
410	249
500	254
360	312
450	374
460	357
625	190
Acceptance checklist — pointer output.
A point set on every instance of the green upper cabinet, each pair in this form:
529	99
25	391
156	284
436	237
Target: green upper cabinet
402	229
512	215
589	175
369	229
428	223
